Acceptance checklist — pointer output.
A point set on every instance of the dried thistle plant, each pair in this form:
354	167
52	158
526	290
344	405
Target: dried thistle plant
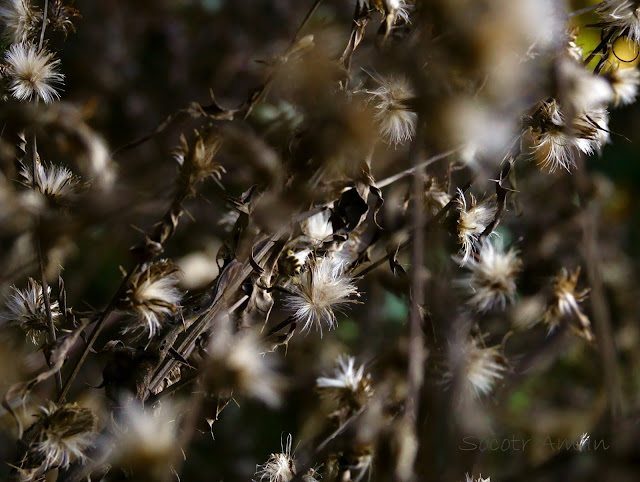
346	169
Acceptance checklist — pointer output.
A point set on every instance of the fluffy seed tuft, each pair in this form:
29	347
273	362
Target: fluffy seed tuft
32	73
320	290
26	309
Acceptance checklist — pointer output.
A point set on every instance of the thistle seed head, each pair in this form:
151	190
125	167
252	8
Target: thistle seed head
26	309
320	290
349	386
32	73
152	296
63	433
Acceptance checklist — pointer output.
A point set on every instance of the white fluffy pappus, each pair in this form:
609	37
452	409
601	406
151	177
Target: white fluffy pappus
32	73
397	123
321	290
492	277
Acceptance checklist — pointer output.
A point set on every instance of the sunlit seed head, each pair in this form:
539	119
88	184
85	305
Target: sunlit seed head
491	281
32	73
390	101
565	305
350	386
21	21
26	310
320	291
624	82
318	227
281	467
248	370
63	433
146	440
483	367
473	219
152	296
54	182
623	15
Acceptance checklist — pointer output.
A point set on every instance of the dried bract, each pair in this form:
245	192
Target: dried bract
32	73
196	161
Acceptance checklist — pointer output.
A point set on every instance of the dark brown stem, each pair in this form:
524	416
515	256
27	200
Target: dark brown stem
415	370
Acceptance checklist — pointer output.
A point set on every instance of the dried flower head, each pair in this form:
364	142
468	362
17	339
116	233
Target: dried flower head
281	467
583	443
581	89
435	196
481	367
63	432
395	10
492	277
565	304
318	227
624	82
553	147
623	15
293	262
196	161
243	367
32	73
153	296
573	50
472	221
20	20
390	100
57	183
146	440
349	386
26	309
320	290
470	478
591	130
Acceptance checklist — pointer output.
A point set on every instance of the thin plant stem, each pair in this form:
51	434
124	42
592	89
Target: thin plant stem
44	24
